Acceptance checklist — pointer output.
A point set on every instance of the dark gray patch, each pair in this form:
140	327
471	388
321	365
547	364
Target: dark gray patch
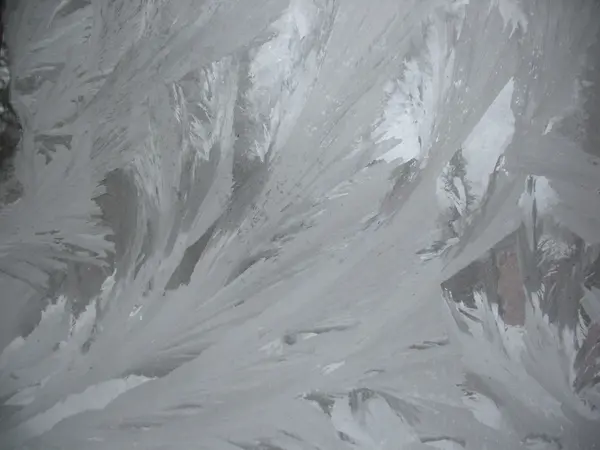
425	345
138	424
161	366
245	264
475	384
259	445
499	275
535	439
402	408
436	249
358	397
188	407
292	435
374	371
404	178
194	185
31	83
31	314
146	248
7	413
322	330
324	401
89	341
292	337
469	316
48	144
582	125
288	234
120	213
185	269
456	168
81	284
344	437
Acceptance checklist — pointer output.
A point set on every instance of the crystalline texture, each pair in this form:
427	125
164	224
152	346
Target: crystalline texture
301	224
